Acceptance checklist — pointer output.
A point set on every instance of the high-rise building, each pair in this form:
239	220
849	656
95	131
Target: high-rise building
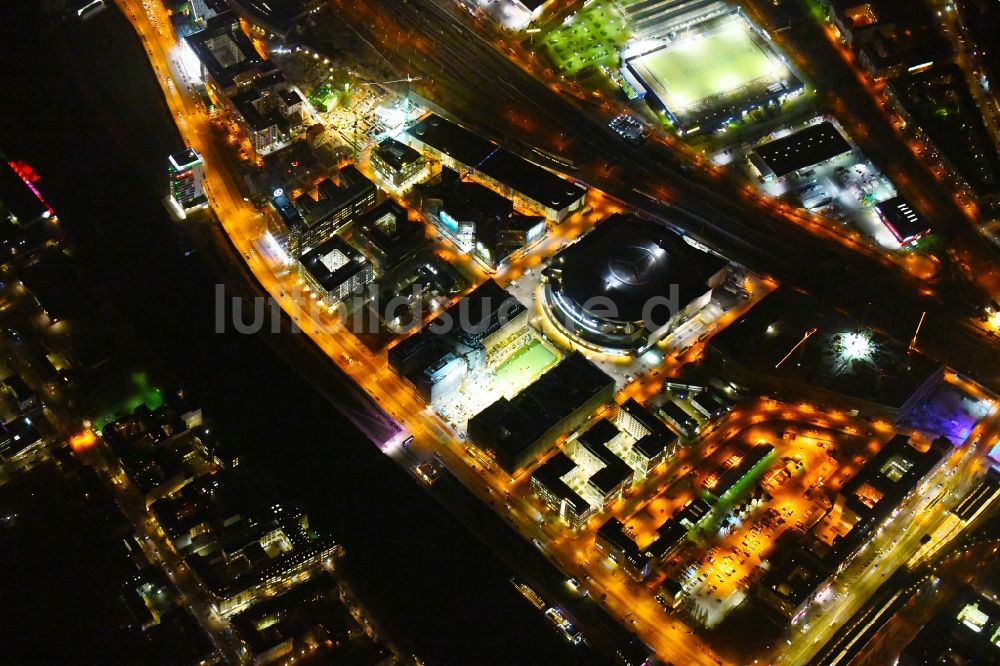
186	173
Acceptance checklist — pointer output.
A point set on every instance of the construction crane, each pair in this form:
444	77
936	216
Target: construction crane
408	79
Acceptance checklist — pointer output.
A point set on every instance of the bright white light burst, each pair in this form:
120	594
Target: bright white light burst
855	346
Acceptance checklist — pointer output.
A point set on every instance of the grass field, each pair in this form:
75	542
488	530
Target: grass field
694	69
525	366
593	37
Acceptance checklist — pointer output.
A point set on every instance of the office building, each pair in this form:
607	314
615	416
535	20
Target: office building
518	431
621	549
609	483
228	58
314	216
965	632
397	164
482	329
187	171
672	535
19	438
862	507
549	483
683	422
527	184
710	403
334	270
388	236
23	396
478	219
269	112
440	379
654	441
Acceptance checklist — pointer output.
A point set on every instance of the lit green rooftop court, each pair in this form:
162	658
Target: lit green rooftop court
525	366
594	36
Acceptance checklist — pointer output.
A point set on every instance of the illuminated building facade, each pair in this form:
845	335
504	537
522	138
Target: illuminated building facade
528	185
187	173
628	284
516	432
334	270
312	217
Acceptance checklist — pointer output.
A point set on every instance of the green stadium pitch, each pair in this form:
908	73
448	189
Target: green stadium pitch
701	67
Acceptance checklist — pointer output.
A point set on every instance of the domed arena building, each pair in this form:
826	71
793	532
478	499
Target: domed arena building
628	284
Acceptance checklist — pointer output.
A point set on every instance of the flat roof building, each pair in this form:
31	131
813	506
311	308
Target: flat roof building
800	150
621	549
517	431
187	171
228	58
678	418
655	442
732	482
615	477
18	389
334	270
902	220
830	356
388	235
528	184
548	483
397	163
861	507
309	219
965	632
480	220
471	328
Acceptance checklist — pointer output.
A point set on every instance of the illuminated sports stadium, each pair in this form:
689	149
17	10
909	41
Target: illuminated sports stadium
628	284
709	73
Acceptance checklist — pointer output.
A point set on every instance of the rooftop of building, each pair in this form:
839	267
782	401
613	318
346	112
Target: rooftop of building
333	262
965	631
389	231
462	327
625	263
804	148
890	475
550	474
395	153
732	478
247	103
277	15
17	435
514	425
615	470
184	159
225	51
902	219
466	200
483	311
473	151
613	531
839	355
332	197
794	575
